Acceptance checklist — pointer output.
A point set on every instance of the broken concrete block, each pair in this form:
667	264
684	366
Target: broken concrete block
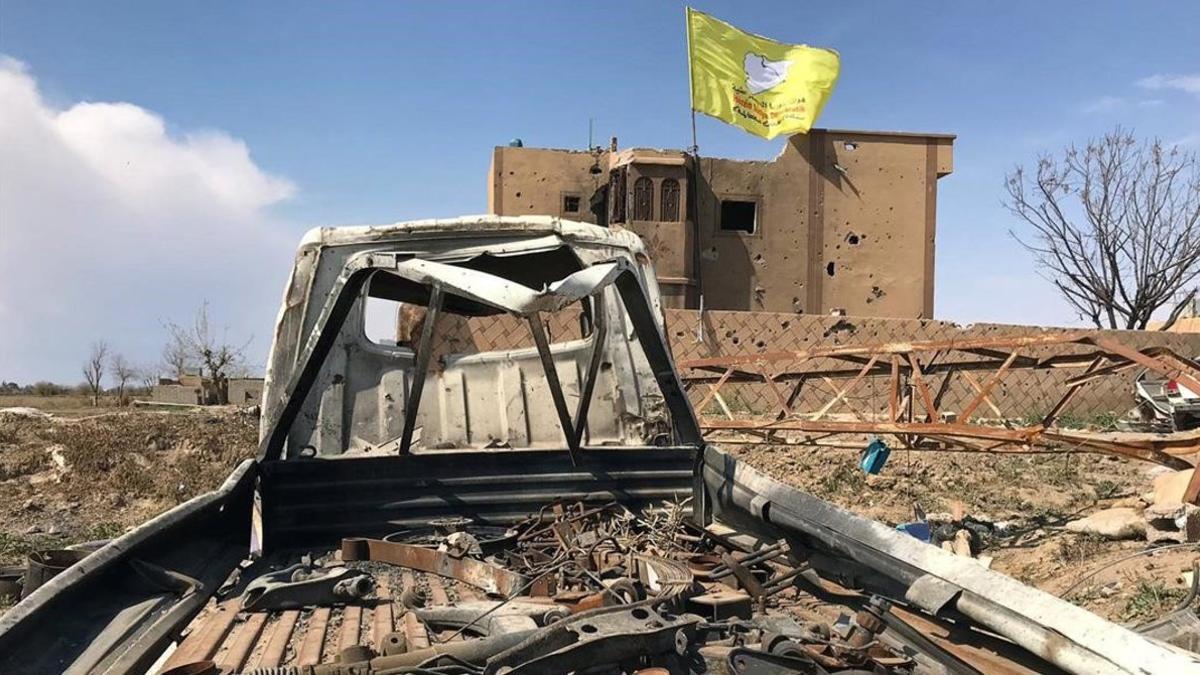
1116	523
1169	487
1178	523
962	544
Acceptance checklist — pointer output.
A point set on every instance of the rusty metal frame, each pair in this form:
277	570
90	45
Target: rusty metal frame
911	413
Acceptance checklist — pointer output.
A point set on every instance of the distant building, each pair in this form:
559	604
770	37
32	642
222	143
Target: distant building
245	390
840	220
192	389
189	389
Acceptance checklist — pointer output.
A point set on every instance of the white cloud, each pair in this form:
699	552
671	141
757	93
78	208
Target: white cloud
110	224
1185	83
1103	104
1187	140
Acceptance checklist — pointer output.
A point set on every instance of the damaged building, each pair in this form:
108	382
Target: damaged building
838	221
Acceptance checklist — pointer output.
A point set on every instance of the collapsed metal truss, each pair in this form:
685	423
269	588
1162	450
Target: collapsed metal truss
912	413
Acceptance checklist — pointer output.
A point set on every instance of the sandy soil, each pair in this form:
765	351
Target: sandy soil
70	479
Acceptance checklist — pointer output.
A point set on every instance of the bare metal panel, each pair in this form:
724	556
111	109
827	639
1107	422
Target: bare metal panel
327	499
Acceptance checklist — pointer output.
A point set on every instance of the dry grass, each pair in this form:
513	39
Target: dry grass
58	404
120	469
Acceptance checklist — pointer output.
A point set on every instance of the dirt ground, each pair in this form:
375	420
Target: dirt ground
82	474
65	479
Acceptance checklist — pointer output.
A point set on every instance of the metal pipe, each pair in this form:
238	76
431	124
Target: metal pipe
422	367
556	392
600	331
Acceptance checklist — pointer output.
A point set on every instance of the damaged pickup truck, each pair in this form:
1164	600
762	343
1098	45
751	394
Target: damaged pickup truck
509	478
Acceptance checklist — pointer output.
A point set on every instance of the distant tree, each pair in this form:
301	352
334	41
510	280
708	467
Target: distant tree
122	371
44	388
176	359
148	375
1115	227
214	355
93	369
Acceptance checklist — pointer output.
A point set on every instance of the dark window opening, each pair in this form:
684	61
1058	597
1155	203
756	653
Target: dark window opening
598	205
670	201
738	216
571	204
616	195
643	199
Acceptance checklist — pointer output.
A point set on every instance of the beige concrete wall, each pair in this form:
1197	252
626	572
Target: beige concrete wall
245	391
175	393
845	220
533	181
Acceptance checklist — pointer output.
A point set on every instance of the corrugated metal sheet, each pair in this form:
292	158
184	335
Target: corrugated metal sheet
326	499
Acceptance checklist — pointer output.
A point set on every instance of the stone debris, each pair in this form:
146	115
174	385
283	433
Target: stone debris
22	411
1178	523
1114	523
1169	487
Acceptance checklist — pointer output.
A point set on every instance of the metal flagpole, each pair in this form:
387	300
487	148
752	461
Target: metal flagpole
693	184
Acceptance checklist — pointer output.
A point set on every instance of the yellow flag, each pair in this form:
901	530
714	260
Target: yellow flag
765	87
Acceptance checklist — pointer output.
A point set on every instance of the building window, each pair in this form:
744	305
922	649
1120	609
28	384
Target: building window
738	216
570	203
670	201
643	199
616	195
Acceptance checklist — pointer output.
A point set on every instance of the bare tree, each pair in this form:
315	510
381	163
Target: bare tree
1115	227
93	369
122	371
175	358
214	355
148	375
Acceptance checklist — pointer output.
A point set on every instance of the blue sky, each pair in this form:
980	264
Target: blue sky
376	112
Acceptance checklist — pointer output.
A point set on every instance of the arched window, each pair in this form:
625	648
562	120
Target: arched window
670	201
643	199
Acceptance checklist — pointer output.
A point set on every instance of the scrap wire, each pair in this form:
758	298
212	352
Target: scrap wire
1120	560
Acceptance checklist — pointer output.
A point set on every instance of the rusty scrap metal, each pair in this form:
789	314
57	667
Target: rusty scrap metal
488	578
302	586
599	637
898	362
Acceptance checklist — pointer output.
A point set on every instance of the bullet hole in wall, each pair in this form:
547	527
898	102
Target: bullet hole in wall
829	268
876	293
852	239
